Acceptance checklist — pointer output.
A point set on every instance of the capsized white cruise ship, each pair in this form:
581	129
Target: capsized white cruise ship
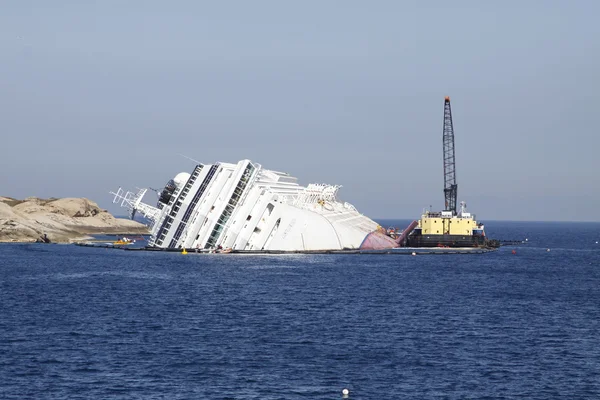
244	206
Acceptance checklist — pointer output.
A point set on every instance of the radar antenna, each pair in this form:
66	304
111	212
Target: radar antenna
450	186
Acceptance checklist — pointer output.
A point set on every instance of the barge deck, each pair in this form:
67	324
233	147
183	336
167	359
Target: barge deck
395	251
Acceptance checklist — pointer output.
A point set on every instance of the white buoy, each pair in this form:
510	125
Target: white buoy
413	254
596	242
547	249
345	393
526	239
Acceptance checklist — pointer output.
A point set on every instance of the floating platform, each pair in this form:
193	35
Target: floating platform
395	251
511	242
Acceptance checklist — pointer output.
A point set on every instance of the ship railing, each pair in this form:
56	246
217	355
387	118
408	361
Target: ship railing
242	197
133	202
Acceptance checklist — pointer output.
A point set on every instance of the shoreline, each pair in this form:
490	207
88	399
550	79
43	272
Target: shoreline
64	220
82	236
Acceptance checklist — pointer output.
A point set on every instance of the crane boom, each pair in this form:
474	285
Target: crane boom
450	186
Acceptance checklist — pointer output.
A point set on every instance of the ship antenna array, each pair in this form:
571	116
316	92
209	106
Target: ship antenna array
133	203
450	186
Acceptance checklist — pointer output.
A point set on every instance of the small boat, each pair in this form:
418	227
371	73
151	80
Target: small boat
123	242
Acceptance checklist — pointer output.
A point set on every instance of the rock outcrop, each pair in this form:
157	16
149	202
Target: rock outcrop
63	220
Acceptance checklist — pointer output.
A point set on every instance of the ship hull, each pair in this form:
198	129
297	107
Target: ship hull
446	241
244	206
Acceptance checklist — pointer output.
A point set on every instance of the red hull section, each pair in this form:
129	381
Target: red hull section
378	241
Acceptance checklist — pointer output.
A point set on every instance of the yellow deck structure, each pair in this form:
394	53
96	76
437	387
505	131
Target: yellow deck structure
442	223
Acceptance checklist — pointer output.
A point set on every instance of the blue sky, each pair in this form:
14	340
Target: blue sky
97	95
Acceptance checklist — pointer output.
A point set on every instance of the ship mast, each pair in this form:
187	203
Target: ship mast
450	186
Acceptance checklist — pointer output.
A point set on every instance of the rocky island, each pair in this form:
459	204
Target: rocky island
61	220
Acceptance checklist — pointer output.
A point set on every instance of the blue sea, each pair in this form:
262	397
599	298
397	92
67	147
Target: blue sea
519	323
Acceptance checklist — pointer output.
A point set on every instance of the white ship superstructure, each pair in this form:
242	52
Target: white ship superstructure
246	207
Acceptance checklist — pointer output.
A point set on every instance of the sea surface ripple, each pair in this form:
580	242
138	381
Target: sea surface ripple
81	323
